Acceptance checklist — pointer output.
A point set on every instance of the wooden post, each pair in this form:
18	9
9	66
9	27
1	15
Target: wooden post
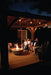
32	30
4	43
4	33
32	35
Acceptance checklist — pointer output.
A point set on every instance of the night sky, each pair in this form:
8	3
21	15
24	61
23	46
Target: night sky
38	7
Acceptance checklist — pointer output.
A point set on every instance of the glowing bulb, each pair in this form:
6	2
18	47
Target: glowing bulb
31	22
39	22
19	20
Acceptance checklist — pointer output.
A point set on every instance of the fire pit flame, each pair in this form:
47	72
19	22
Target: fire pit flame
17	48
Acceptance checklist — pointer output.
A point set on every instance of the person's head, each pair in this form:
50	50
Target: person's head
10	44
25	40
28	39
36	39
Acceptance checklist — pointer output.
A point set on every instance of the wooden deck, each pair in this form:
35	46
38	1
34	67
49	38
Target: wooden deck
27	58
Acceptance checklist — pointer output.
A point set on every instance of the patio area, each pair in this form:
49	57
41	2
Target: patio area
27	58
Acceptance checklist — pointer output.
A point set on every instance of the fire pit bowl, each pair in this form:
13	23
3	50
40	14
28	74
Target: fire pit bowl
17	51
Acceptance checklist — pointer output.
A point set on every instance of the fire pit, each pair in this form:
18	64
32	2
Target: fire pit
17	51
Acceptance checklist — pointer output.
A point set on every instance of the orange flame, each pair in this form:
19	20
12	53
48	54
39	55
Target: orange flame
17	47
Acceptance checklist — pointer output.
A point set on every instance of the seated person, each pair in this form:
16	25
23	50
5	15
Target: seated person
31	46
9	46
28	41
36	43
25	44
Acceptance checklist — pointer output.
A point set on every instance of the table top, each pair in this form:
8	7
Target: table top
19	49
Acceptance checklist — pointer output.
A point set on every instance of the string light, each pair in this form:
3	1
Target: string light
39	22
30	22
19	20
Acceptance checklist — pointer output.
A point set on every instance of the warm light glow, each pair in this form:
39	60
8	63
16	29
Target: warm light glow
17	47
19	20
30	22
39	22
35	28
